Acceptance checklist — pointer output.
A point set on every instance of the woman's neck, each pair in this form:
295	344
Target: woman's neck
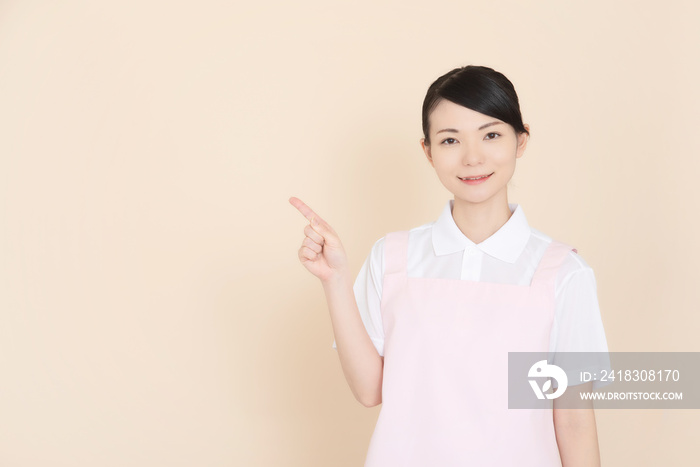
478	221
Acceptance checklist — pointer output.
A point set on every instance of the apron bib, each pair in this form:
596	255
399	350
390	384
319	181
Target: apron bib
445	383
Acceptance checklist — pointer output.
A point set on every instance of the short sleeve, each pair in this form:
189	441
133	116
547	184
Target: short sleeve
368	293
578	326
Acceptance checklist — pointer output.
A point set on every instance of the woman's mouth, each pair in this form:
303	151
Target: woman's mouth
475	180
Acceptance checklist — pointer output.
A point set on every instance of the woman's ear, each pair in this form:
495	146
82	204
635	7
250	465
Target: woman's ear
426	150
522	141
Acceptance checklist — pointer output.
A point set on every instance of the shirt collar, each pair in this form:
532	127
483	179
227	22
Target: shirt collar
506	244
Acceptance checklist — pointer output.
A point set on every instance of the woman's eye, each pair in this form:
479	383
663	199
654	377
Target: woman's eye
448	139
492	135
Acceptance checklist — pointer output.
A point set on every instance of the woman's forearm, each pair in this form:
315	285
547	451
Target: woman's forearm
577	437
361	363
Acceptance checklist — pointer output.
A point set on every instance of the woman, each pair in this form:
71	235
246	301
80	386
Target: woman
435	310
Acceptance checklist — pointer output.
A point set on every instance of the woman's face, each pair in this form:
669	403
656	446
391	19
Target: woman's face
468	144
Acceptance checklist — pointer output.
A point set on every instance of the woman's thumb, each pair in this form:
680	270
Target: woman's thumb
326	231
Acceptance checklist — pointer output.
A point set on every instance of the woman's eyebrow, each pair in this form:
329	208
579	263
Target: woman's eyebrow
485	125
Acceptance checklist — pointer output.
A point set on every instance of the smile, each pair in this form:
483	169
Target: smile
481	177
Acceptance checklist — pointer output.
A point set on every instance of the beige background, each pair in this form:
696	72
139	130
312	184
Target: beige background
153	308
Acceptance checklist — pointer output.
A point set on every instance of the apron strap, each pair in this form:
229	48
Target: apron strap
553	257
396	252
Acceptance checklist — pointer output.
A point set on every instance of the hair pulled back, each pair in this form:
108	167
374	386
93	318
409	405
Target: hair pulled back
479	88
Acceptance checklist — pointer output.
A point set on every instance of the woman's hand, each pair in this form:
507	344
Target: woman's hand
321	251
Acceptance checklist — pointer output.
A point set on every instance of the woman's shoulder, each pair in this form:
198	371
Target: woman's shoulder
573	261
416	236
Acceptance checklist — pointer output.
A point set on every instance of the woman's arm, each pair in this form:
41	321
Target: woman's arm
575	429
322	253
362	365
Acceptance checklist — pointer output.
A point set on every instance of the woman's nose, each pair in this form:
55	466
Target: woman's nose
471	156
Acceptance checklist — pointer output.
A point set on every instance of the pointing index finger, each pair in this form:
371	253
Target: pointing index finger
305	210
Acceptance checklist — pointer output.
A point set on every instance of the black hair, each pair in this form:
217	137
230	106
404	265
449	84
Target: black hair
479	88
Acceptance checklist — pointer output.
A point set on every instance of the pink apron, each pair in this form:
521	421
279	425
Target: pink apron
445	386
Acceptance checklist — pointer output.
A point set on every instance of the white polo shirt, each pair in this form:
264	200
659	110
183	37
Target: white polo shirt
510	256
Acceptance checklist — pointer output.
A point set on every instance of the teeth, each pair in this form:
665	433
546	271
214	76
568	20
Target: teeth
475	178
